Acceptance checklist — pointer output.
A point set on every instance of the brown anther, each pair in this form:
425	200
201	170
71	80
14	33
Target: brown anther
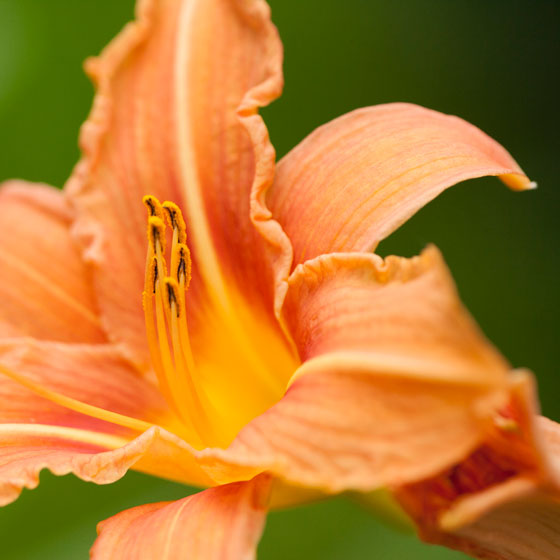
156	233
175	220
153	205
173	297
184	264
154	273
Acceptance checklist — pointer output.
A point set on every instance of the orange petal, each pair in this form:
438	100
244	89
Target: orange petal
355	180
403	313
349	427
45	290
522	523
196	72
503	500
223	523
80	409
397	382
92	374
93	455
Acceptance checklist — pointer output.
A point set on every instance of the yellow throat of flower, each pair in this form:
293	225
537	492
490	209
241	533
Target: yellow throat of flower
241	364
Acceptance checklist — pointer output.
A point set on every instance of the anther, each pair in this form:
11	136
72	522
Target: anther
173	298
156	233
154	274
176	220
153	205
507	424
184	264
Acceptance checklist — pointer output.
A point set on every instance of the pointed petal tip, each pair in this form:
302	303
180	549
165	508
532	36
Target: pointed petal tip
355	180
518	182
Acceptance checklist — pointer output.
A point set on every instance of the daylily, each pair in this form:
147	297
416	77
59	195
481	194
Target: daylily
252	344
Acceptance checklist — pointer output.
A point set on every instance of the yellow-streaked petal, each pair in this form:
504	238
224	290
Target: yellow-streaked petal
344	427
223	523
46	290
93	374
197	71
503	500
82	409
355	180
397	380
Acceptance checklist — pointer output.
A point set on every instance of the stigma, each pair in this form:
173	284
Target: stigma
167	279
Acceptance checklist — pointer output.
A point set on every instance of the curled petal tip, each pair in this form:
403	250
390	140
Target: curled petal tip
518	182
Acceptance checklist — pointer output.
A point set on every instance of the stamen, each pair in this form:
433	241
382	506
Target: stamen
173	299
184	265
156	233
153	205
76	405
166	322
175	220
148	295
152	274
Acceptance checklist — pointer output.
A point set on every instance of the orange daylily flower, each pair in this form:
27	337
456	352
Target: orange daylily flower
253	344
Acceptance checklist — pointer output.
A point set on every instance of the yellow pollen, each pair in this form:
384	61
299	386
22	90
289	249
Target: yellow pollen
167	327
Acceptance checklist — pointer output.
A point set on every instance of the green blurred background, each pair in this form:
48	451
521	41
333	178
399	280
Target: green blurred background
493	62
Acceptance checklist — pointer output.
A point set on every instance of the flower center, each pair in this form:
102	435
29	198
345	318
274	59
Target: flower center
164	301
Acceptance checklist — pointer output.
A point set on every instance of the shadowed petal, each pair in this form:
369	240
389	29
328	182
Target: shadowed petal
503	500
355	180
521	524
45	290
223	523
398	381
196	72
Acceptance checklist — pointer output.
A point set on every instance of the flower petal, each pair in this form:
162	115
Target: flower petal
347	426
522	523
92	455
223	523
97	435
45	290
402	312
397	382
355	180
92	374
503	501
196	70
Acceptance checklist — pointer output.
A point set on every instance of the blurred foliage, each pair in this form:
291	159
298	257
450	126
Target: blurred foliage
491	62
